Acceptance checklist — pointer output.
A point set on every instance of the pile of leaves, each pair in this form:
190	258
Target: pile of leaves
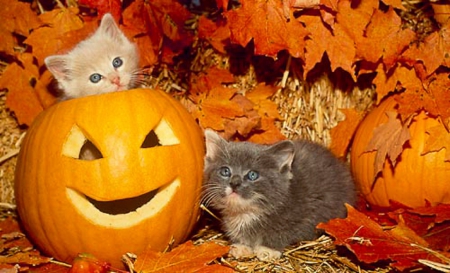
367	41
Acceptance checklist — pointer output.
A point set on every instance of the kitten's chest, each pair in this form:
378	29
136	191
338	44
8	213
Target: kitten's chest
239	225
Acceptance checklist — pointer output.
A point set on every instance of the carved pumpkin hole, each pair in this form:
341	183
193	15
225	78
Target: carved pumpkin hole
123	206
151	140
89	152
78	146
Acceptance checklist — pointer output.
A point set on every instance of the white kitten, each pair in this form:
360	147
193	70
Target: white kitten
105	62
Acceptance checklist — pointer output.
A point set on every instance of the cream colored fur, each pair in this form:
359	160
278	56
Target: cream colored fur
95	55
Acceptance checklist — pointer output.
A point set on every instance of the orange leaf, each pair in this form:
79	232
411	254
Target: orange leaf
49	40
215	32
370	243
388	140
17	17
264	21
438	139
158	19
336	43
354	18
184	258
261	96
342	133
386	38
395	4
398	77
62	20
268	134
433	51
22	98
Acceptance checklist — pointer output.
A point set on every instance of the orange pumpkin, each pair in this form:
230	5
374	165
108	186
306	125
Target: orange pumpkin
416	177
110	174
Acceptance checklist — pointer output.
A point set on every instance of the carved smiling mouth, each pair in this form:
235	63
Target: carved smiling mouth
123	213
123	206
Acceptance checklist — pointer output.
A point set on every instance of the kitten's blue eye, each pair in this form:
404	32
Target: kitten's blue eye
117	62
225	172
95	78
252	175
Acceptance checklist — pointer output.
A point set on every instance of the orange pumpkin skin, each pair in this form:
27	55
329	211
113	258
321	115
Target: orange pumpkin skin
49	184
415	178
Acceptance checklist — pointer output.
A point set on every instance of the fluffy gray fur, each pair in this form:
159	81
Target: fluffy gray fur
300	184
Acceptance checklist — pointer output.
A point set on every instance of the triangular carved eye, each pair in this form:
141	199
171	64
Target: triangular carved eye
79	147
161	135
151	140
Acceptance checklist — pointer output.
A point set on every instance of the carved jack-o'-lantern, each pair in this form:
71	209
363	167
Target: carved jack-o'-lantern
110	174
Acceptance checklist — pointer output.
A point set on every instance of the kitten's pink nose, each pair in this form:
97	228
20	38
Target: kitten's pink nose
116	80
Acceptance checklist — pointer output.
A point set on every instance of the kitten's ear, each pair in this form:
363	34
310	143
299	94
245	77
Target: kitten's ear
214	142
284	152
58	65
109	27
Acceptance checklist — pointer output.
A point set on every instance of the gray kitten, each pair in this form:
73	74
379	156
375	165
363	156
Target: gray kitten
275	195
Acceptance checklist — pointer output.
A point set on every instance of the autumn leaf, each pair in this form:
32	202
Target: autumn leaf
433	51
49	39
21	98
384	38
342	134
15	247
431	223
387	141
354	17
398	77
184	258
336	43
260	96
401	246
104	6
157	26
433	96
216	33
438	139
17	18
264	22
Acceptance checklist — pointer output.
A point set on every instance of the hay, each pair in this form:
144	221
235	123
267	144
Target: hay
309	110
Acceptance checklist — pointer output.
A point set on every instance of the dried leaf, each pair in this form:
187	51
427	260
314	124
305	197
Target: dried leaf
17	17
163	22
336	43
184	258
384	38
370	243
264	21
215	32
104	6
388	140
50	39
433	51
22	98
342	133
438	139
398	76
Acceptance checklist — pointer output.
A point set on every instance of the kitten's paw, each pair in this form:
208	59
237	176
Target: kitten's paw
266	254
239	251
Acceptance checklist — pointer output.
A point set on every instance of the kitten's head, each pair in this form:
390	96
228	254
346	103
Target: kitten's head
243	177
105	62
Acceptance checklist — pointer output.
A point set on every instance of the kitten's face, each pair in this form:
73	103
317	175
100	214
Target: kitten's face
105	62
243	177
